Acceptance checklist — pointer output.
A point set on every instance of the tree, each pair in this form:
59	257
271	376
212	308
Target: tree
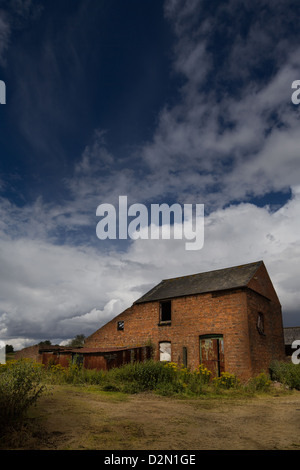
9	348
77	342
47	342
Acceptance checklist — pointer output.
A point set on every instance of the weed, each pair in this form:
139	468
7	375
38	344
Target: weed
20	387
287	373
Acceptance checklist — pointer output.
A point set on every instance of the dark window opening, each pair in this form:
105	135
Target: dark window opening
120	326
260	324
165	311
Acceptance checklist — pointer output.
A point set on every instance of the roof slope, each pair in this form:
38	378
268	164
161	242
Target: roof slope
291	333
221	279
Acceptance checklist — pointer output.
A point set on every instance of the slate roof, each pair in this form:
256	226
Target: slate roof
221	279
291	333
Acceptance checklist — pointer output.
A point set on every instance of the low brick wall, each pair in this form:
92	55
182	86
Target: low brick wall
31	352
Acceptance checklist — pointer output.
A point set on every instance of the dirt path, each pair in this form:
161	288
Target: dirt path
72	418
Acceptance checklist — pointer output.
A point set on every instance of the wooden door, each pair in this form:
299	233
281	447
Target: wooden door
212	353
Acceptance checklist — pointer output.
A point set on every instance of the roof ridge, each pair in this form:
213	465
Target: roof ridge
211	271
209	281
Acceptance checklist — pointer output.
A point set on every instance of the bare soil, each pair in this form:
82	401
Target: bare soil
74	418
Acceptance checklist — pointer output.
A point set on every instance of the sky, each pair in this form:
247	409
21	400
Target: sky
175	101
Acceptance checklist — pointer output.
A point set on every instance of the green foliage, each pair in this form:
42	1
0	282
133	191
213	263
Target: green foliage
226	380
139	376
47	342
286	373
260	383
77	342
20	387
170	378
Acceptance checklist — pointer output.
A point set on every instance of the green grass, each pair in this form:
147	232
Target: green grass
113	396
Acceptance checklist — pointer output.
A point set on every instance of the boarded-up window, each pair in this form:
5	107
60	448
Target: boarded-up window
165	351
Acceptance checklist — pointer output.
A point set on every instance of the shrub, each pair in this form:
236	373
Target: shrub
140	375
226	380
286	373
20	387
203	374
171	388
260	383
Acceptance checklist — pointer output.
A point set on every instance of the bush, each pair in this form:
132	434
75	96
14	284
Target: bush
286	373
226	380
140	376
20	387
169	378
164	378
260	383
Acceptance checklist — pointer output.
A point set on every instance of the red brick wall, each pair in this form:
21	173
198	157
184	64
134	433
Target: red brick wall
31	352
232	314
220	313
269	345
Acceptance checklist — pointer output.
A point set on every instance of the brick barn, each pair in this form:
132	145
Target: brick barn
228	319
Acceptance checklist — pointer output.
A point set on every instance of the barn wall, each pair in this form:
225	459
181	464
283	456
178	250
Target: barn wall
192	316
31	352
231	313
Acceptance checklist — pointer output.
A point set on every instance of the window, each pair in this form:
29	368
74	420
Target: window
120	325
165	311
260	323
165	351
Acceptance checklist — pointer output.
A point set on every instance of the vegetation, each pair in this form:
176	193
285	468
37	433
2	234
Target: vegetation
20	386
47	342
287	373
22	382
167	379
77	342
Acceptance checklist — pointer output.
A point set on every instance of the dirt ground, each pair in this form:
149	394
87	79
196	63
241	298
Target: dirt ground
74	418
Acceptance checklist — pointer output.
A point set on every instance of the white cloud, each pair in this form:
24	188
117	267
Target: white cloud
49	291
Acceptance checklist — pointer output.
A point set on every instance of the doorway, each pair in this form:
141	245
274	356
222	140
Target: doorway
212	353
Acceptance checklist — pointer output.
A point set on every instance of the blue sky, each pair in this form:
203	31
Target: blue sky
162	101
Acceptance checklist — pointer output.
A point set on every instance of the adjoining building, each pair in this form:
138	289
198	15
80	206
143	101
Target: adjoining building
89	358
291	334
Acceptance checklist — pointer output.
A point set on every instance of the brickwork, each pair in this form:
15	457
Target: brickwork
232	314
31	352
